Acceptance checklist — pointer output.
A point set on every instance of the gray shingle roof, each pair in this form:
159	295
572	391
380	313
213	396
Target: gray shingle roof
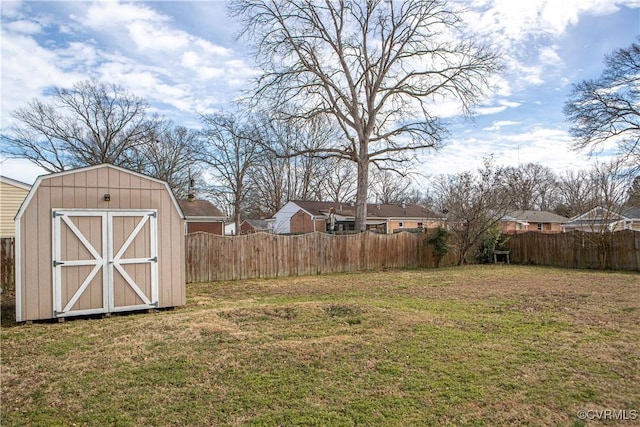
536	216
202	208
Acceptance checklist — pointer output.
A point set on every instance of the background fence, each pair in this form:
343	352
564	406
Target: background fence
7	261
576	250
211	257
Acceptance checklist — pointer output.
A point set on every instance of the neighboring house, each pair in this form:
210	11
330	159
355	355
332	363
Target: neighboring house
601	219
202	215
523	221
250	226
12	194
309	216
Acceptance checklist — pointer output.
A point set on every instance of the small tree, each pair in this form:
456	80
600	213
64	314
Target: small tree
473	203
492	241
439	241
609	184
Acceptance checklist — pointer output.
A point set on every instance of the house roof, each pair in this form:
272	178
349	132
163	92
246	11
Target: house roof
631	212
15	182
200	208
598	213
535	216
373	210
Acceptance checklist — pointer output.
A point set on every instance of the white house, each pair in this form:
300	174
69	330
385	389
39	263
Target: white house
600	219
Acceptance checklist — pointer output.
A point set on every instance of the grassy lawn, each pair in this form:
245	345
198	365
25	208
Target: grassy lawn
479	345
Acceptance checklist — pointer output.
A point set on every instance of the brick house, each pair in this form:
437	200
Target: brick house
516	222
309	216
250	226
202	215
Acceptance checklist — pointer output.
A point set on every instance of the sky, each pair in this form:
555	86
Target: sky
184	59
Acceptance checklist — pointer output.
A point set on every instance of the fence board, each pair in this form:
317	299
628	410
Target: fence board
577	250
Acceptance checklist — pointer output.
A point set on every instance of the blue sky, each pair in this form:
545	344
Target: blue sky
182	58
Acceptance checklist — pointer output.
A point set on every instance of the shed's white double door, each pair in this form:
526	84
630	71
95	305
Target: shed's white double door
104	261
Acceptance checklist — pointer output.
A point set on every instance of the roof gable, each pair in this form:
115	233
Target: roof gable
258	224
598	213
632	212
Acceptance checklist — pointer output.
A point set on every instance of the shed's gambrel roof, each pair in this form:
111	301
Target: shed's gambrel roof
42	178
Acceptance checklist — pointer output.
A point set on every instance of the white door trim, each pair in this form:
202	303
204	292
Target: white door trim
105	259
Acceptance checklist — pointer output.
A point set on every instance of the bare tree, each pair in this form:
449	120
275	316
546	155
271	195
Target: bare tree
276	179
173	157
231	147
340	183
534	186
609	185
633	195
376	67
391	187
576	193
607	110
91	123
473	203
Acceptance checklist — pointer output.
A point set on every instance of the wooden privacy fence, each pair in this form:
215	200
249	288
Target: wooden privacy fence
7	263
576	250
211	257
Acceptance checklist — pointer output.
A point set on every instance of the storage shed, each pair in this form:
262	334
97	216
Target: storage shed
99	239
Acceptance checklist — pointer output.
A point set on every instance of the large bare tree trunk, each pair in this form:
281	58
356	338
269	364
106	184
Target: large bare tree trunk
361	193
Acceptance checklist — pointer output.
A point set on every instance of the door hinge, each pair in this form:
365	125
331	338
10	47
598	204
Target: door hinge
154	259
153	214
57	263
55	214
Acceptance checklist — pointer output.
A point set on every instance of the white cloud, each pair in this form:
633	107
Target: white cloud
498	125
27	69
549	147
113	14
23	27
549	57
148	37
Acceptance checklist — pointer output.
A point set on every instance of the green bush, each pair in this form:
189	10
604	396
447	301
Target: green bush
438	240
492	241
